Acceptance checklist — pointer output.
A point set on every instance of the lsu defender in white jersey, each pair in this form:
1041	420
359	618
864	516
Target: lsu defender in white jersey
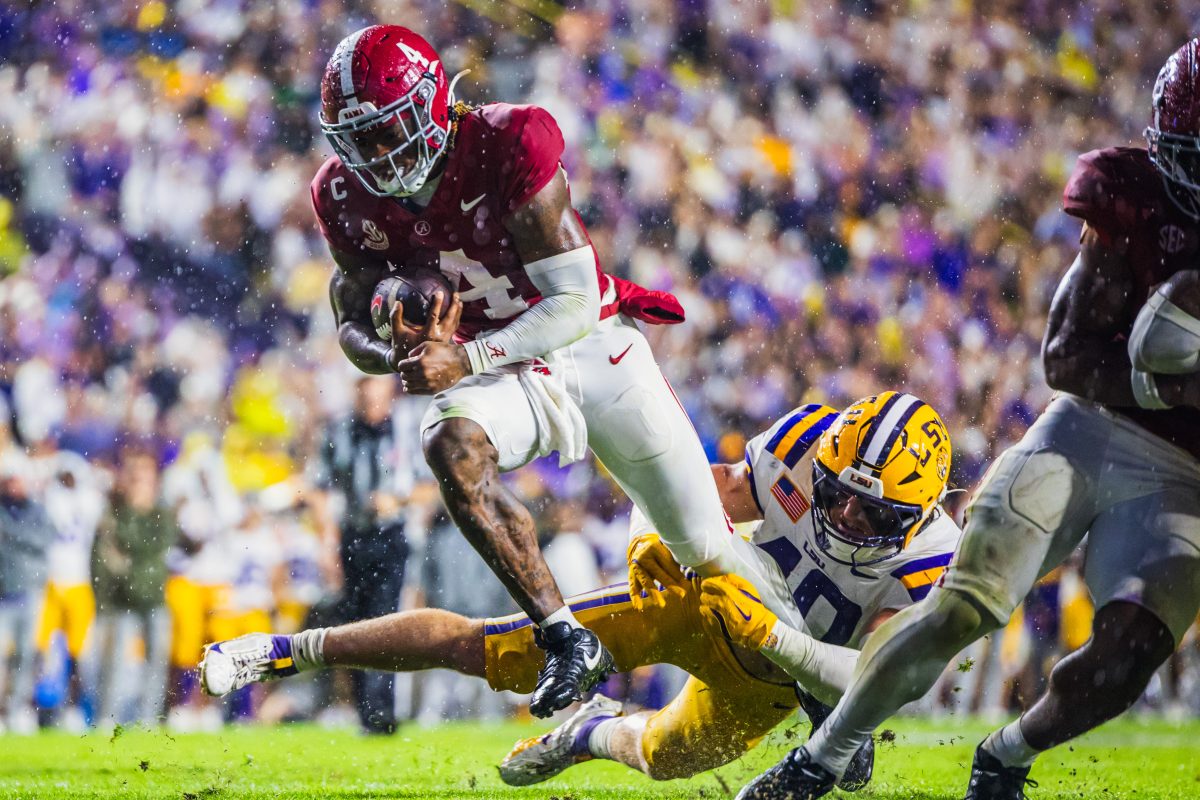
848	528
838	580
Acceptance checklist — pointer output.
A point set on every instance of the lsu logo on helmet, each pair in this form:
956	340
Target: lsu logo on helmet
879	474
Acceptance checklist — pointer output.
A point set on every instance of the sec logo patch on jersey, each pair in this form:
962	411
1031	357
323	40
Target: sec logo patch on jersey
375	239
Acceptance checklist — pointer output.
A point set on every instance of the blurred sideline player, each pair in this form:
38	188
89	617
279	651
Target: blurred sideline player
255	556
75	504
256	560
869	539
198	488
1115	457
535	351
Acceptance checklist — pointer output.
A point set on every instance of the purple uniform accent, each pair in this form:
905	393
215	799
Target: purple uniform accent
922	564
582	605
281	647
580	746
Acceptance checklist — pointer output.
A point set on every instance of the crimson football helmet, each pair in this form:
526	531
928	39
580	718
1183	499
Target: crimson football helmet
1173	137
386	108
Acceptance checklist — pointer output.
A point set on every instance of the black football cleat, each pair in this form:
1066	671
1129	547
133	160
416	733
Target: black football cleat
575	662
991	780
796	777
862	766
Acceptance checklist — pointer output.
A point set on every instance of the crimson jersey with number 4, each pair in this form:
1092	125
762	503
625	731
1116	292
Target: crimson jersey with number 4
1120	194
502	156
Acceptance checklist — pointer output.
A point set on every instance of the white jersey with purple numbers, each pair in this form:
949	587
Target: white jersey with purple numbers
76	513
254	556
836	600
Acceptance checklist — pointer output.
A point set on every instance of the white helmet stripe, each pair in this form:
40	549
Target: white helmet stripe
881	434
345	61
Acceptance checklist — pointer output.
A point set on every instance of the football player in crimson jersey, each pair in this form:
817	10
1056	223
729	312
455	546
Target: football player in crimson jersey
536	350
1115	456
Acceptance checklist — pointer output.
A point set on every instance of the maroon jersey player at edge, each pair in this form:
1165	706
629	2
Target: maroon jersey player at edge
1115	456
536	351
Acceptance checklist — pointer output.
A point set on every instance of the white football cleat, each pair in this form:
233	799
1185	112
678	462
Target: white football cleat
540	758
254	658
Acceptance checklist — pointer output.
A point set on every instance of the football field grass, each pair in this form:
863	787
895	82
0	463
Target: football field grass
1132	758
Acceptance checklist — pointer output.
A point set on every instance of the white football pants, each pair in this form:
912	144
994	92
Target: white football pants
635	426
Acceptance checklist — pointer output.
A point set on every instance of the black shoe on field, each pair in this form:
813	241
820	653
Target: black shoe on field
796	777
862	766
991	780
575	662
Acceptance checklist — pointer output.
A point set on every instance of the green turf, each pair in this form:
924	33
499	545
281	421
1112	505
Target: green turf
1142	759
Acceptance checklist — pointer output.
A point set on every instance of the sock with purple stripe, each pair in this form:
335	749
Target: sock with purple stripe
583	744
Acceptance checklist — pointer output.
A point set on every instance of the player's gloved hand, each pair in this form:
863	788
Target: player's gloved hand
734	607
648	305
651	561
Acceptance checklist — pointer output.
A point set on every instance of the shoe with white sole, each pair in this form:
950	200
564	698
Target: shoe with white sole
254	658
540	758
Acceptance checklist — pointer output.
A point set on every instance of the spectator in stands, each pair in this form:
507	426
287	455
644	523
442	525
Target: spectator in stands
129	572
26	533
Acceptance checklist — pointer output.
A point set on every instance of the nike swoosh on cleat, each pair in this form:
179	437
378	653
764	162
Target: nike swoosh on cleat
617	359
591	661
465	206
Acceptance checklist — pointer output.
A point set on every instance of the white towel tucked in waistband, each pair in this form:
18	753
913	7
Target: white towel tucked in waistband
560	423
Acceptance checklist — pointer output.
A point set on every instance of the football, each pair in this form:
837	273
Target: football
415	293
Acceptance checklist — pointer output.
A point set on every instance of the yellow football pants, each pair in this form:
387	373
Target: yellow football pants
192	606
733	699
230	625
70	609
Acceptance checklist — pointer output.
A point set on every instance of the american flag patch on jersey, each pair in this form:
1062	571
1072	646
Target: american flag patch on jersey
795	505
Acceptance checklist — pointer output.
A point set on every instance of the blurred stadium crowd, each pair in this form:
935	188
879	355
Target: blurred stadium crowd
846	196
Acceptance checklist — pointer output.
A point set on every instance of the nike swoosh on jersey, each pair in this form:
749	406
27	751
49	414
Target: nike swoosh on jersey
617	359
465	206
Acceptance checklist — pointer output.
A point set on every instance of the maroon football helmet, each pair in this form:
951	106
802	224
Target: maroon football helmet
385	108
1173	137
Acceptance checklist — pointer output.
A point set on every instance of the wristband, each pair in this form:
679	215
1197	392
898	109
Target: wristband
484	355
1145	390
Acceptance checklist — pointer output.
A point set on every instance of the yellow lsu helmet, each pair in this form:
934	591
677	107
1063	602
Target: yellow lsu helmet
880	472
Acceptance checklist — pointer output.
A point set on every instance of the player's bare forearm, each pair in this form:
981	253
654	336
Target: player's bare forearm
1083	353
350	291
1096	372
363	349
